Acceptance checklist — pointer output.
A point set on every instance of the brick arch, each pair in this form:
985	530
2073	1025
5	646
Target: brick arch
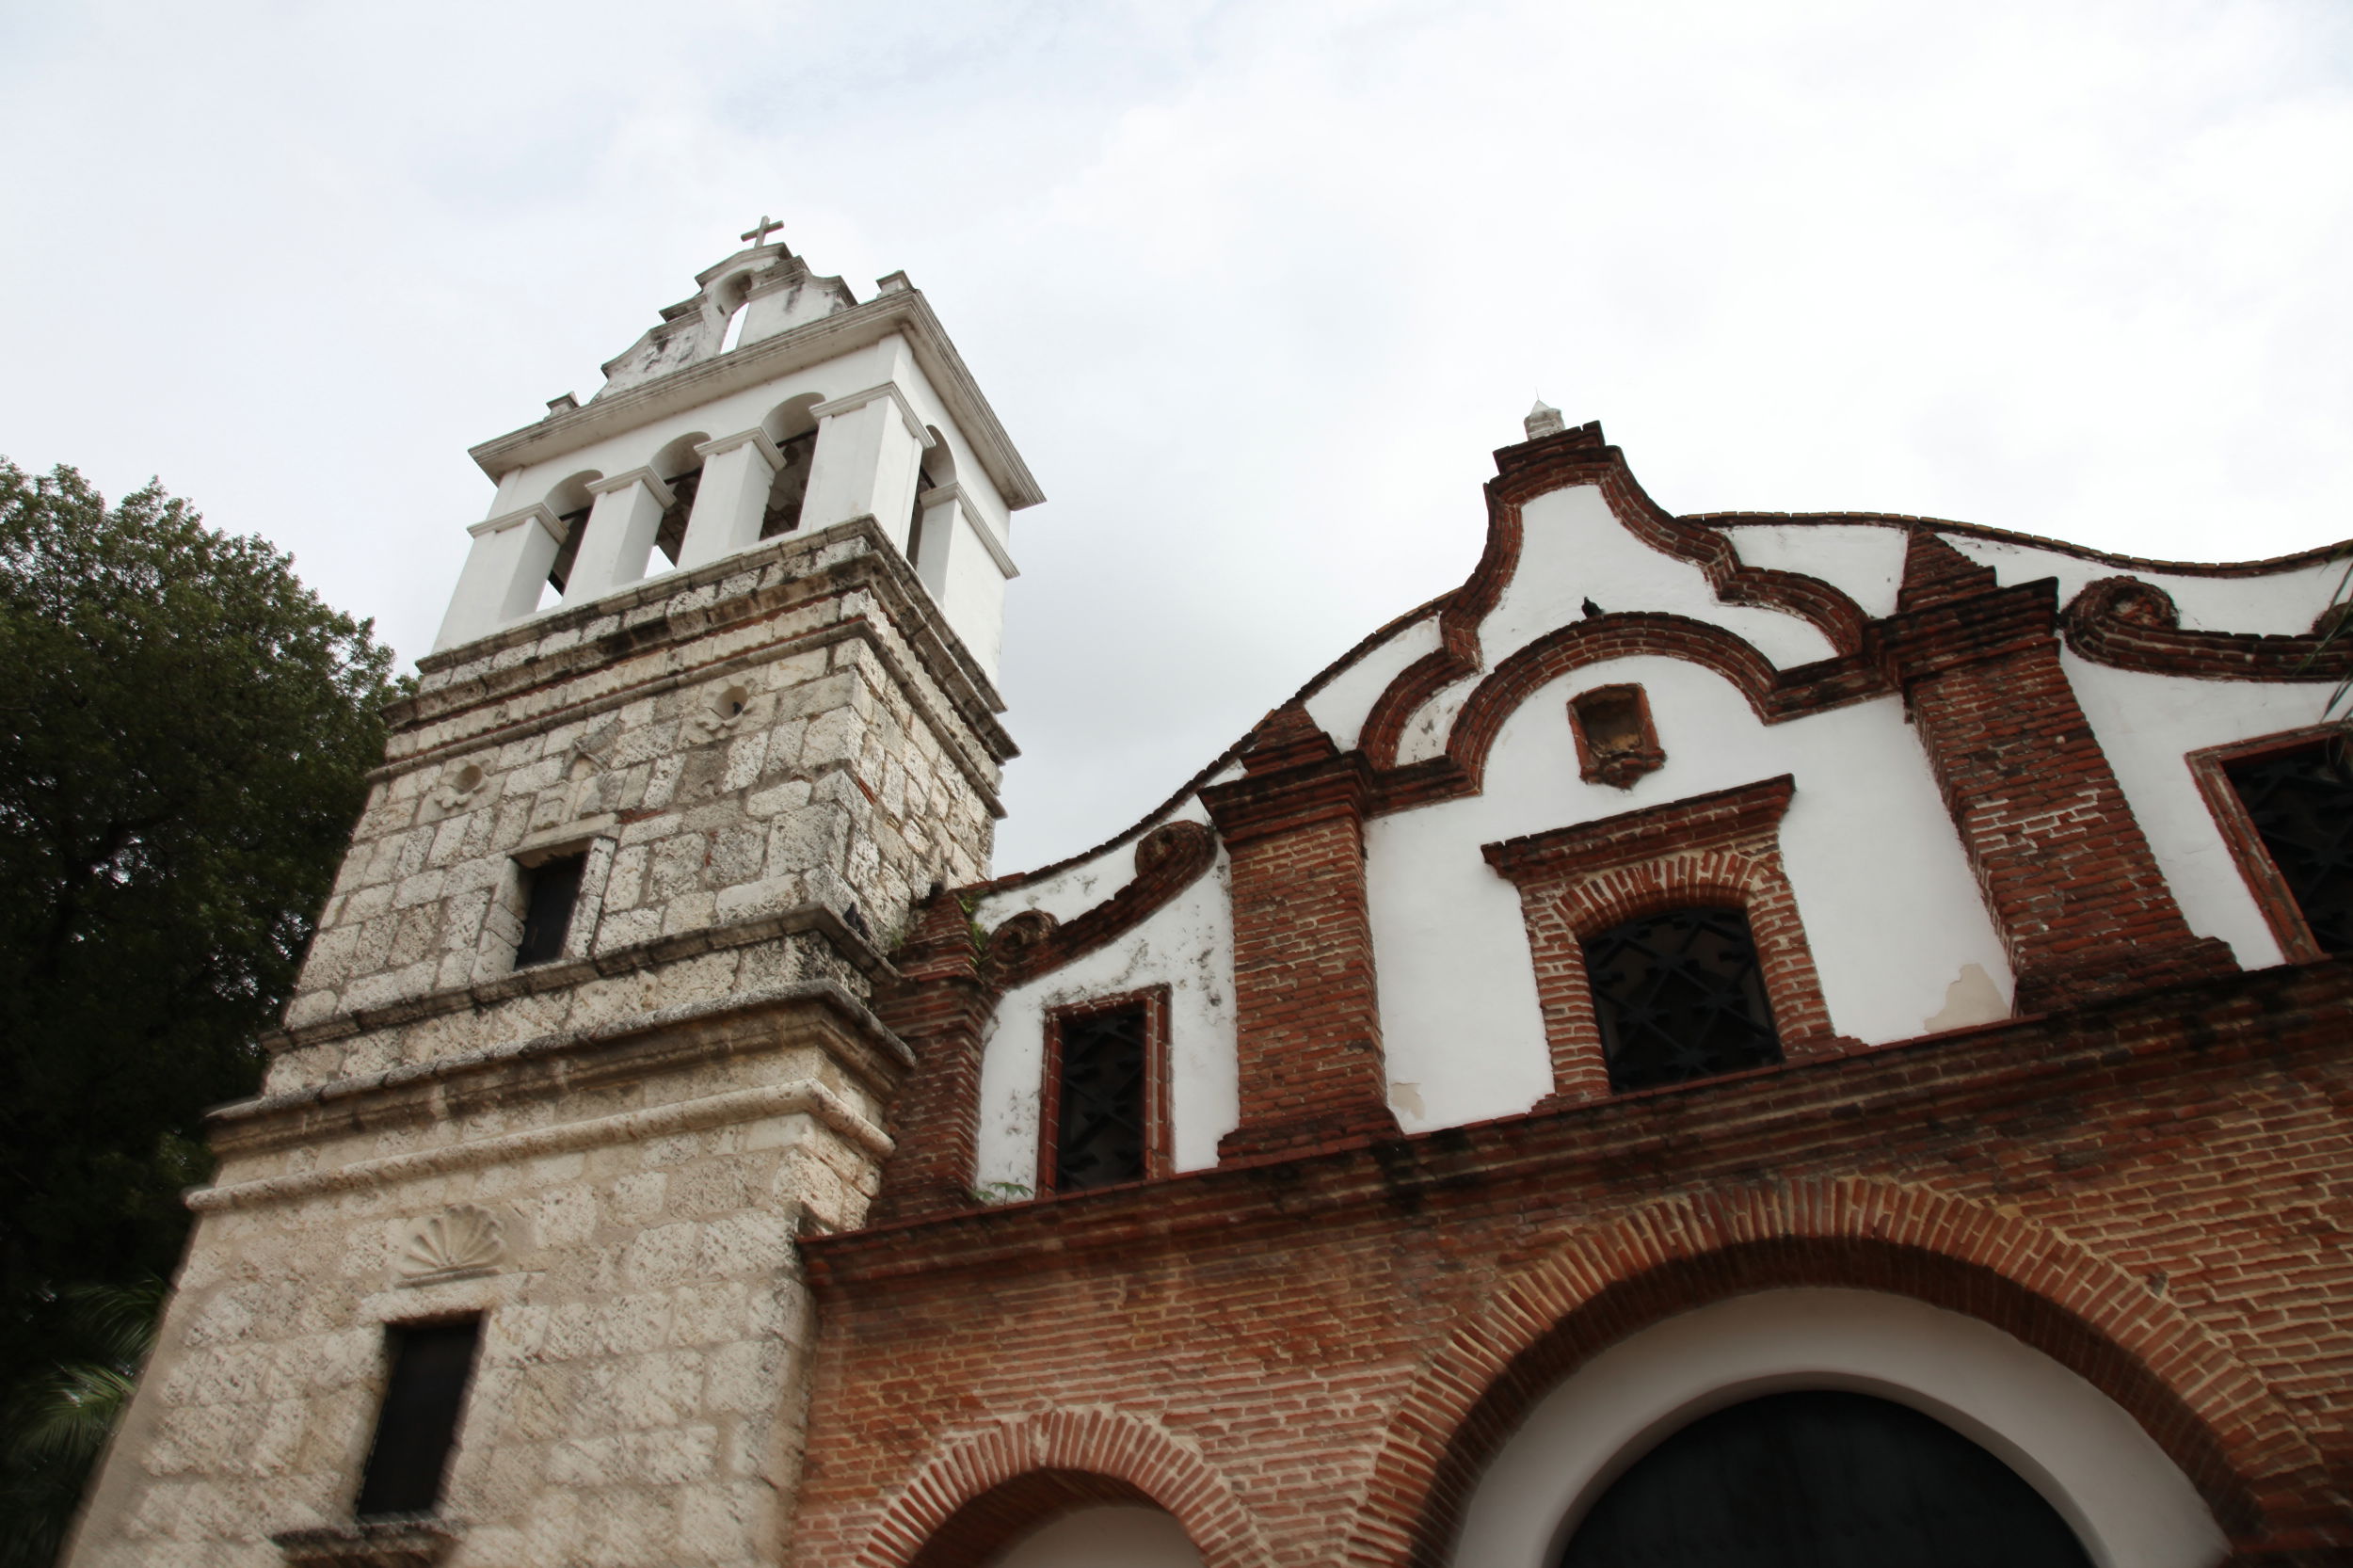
1012	1476
1624	635
2214	1417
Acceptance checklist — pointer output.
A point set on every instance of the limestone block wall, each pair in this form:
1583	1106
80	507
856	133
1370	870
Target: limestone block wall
786	727
622	1212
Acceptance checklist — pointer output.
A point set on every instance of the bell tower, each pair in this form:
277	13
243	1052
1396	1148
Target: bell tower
499	1268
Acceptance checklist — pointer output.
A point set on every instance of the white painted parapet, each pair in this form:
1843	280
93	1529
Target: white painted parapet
501	582
870	455
737	473
616	545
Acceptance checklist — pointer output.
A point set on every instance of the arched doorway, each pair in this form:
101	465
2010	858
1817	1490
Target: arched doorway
1820	1478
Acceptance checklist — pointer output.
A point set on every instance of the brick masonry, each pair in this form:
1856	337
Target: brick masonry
2153	1191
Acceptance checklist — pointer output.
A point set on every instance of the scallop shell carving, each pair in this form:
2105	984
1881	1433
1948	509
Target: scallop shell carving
462	1237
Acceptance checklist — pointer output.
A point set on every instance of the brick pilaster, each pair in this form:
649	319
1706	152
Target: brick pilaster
939	1006
1308	1020
2065	869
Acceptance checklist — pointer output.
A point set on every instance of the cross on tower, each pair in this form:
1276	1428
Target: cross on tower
758	234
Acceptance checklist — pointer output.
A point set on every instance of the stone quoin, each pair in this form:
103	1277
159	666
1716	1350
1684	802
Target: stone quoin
1873	984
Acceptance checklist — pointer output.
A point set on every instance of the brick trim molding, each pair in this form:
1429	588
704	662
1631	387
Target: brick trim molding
2238	1444
2130	625
2066	872
1139	1460
2272	894
1158	1155
1169	858
1722	848
1573	457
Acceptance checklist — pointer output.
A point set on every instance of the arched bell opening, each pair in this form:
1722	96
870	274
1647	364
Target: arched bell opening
679	467
792	426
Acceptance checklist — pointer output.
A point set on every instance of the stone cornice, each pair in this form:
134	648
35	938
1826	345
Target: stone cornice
568	1062
754	437
655	485
857	400
852	948
799	349
631	632
539	511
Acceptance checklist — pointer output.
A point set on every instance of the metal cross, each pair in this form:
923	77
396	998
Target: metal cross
758	234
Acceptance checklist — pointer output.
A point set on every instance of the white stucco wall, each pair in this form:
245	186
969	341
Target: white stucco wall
2278	603
2148	724
1114	1536
2127	1502
1862	560
1345	701
1891	910
1572	549
1187	945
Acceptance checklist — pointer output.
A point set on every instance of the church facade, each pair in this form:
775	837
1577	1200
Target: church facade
1723	1039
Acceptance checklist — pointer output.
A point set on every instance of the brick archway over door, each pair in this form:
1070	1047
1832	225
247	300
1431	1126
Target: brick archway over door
2255	1467
1039	1464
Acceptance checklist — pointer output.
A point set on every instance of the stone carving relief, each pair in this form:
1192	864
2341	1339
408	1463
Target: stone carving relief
463	1238
460	786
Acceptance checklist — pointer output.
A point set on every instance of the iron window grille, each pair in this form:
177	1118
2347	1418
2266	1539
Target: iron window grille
2300	804
1680	996
1105	1110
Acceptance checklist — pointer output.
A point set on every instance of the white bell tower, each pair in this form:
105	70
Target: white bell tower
784	404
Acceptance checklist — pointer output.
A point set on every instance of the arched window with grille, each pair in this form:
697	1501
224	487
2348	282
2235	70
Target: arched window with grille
1680	995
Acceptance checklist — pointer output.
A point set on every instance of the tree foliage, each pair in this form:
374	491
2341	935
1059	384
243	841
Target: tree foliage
187	734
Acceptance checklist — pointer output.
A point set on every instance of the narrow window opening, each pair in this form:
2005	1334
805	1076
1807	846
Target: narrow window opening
669	536
2301	805
1680	996
734	333
551	891
416	1427
790	486
560	569
1100	1135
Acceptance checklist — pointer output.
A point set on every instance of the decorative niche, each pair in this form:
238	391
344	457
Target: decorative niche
1615	742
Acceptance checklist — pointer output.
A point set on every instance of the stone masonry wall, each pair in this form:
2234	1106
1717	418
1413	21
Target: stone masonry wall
623	1216
785	729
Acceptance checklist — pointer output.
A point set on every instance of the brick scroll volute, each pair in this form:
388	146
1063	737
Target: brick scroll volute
2061	860
1308	1020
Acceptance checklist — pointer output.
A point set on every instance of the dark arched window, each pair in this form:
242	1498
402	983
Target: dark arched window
1821	1479
1679	997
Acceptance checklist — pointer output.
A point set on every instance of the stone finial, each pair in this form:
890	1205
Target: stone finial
895	283
1544	420
563	405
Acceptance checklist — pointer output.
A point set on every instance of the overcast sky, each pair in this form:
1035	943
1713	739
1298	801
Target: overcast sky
1256	287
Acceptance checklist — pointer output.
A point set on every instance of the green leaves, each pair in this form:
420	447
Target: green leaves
184	734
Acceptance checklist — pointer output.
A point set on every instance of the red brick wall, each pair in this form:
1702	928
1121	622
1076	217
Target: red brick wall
1305	1011
1308	1361
2065	869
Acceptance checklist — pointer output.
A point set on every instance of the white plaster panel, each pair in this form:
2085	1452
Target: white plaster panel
1187	945
1114	1536
980	492
2128	1503
1426	731
737	411
1862	560
1077	888
973	598
1891	911
2148	724
1342	707
1572	549
2280	603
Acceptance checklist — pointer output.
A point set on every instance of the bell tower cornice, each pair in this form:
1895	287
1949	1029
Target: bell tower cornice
902	311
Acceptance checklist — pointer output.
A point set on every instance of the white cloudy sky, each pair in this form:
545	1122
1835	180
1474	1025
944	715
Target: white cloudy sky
1255	286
